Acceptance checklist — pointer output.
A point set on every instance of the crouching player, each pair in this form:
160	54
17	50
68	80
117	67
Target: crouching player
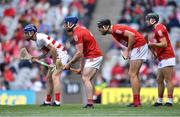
87	48
165	54
137	51
52	48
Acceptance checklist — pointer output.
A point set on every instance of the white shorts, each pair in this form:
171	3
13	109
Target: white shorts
93	62
167	62
139	53
63	56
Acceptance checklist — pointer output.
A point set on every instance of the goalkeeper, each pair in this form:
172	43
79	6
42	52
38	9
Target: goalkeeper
51	47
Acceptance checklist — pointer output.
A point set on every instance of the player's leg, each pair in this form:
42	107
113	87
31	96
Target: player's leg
62	60
56	83
160	83
87	75
49	89
91	66
168	75
137	56
134	68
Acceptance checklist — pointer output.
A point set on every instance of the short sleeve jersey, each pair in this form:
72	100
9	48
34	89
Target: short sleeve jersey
160	32
43	40
118	33
90	46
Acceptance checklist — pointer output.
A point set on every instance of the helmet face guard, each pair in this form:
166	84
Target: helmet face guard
29	35
69	26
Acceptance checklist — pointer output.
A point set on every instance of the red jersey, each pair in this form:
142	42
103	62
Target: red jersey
118	33
90	46
160	32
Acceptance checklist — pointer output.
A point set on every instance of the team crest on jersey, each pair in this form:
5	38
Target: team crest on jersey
75	38
118	32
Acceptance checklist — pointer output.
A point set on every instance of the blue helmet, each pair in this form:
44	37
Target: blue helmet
72	19
30	27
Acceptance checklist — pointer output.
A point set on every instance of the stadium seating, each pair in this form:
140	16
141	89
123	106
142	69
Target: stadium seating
47	15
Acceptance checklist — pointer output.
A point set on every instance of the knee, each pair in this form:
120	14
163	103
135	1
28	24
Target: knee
49	80
85	78
168	80
132	74
55	75
159	81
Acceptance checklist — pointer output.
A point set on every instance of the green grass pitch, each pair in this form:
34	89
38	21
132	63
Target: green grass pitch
73	110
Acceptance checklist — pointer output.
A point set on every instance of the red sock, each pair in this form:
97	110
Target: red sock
57	97
90	101
160	96
48	98
136	99
170	96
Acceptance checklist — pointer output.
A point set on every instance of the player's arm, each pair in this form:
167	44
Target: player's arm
78	54
40	57
130	36
150	48
161	44
78	38
53	52
116	42
80	65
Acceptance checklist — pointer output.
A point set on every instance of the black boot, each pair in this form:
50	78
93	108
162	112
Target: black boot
89	106
168	104
157	104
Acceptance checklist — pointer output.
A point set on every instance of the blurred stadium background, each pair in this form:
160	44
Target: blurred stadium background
22	82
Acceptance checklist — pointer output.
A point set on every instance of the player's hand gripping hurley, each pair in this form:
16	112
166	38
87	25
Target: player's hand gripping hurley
24	55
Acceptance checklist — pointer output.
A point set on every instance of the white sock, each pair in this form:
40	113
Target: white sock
57	102
47	102
160	100
170	100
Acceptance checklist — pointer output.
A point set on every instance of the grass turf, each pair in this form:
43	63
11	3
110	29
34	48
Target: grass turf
72	110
